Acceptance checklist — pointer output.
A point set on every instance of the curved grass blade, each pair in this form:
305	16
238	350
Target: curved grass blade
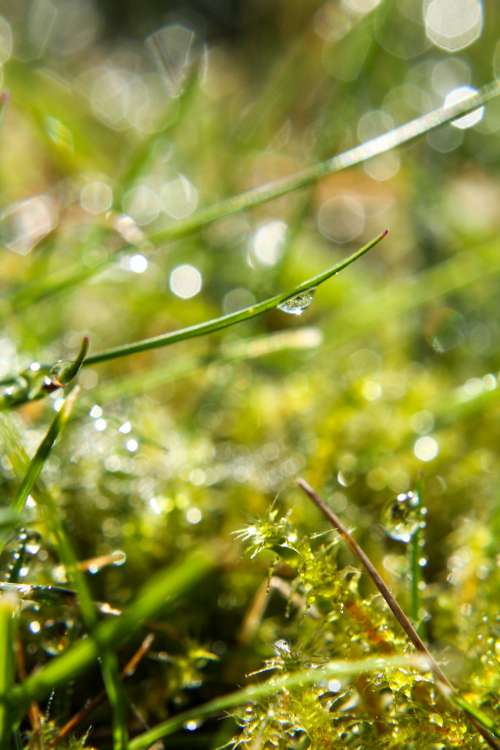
25	393
33	383
50	513
405	133
43	451
217	324
357	155
159	594
270	687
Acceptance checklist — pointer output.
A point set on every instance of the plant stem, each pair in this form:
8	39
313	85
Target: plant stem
8	606
270	687
158	594
357	155
89	708
394	606
217	324
386	142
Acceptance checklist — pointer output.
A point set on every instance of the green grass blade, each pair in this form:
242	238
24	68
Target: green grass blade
217	324
8	607
157	595
50	513
481	717
357	155
270	687
43	451
299	339
66	279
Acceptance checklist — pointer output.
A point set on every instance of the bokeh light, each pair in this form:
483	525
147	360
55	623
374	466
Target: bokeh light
185	281
268	241
453	25
461	94
24	224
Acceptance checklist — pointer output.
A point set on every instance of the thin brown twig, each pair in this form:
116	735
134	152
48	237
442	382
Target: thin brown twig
127	671
392	603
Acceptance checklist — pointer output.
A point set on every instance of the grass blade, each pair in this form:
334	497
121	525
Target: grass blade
67	555
8	606
405	133
157	595
357	155
217	324
394	606
268	688
43	451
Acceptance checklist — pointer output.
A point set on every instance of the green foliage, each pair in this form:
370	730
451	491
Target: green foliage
131	611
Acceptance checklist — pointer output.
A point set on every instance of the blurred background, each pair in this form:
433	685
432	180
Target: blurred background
124	118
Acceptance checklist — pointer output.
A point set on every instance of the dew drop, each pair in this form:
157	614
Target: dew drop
298	303
192	725
282	647
57	635
402	517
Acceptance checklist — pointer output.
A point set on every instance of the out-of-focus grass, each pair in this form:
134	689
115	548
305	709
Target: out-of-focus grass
396	387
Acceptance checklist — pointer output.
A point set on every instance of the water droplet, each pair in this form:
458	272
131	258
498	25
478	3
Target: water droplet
298	303
402	517
57	635
192	725
282	648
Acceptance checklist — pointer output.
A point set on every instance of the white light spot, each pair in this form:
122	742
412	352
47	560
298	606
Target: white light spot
137	263
96	412
453	24
132	445
426	448
185	281
155	505
268	241
100	425
334	685
125	428
35	626
461	94
193	515
96	197
35	366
